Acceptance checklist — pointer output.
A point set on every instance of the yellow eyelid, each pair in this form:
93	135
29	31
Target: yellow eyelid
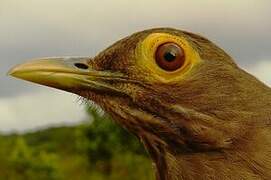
145	56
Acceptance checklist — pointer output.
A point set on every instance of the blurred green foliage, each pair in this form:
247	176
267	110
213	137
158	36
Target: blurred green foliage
96	150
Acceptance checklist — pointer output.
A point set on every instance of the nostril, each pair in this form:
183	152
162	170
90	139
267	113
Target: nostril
81	65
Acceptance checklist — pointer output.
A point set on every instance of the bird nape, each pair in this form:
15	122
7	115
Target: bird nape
198	114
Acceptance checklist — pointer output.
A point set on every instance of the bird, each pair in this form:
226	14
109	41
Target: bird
199	115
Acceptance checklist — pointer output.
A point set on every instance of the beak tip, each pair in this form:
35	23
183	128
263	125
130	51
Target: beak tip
19	70
12	72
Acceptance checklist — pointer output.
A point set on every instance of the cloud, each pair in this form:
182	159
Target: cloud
53	25
39	109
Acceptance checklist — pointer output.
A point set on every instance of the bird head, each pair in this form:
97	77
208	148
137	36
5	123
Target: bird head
175	90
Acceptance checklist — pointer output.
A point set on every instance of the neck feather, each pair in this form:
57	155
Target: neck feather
247	160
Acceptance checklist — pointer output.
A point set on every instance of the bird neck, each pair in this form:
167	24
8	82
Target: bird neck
248	160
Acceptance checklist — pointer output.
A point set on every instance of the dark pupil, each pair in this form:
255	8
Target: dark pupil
169	56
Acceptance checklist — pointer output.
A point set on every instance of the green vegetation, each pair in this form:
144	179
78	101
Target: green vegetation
97	151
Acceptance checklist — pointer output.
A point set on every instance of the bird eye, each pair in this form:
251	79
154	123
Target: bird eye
169	56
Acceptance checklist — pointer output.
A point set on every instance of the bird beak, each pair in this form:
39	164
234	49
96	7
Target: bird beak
69	74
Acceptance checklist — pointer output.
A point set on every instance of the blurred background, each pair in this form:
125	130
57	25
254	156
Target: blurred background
49	134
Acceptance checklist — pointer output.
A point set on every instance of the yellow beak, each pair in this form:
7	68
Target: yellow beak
65	73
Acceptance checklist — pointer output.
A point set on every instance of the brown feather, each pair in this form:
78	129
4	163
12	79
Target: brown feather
214	124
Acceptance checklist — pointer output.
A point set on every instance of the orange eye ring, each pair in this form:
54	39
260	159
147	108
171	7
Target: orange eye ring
170	56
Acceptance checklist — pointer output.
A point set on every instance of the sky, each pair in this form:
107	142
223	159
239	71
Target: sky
41	28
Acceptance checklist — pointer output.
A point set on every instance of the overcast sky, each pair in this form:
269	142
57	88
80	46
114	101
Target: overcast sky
37	28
